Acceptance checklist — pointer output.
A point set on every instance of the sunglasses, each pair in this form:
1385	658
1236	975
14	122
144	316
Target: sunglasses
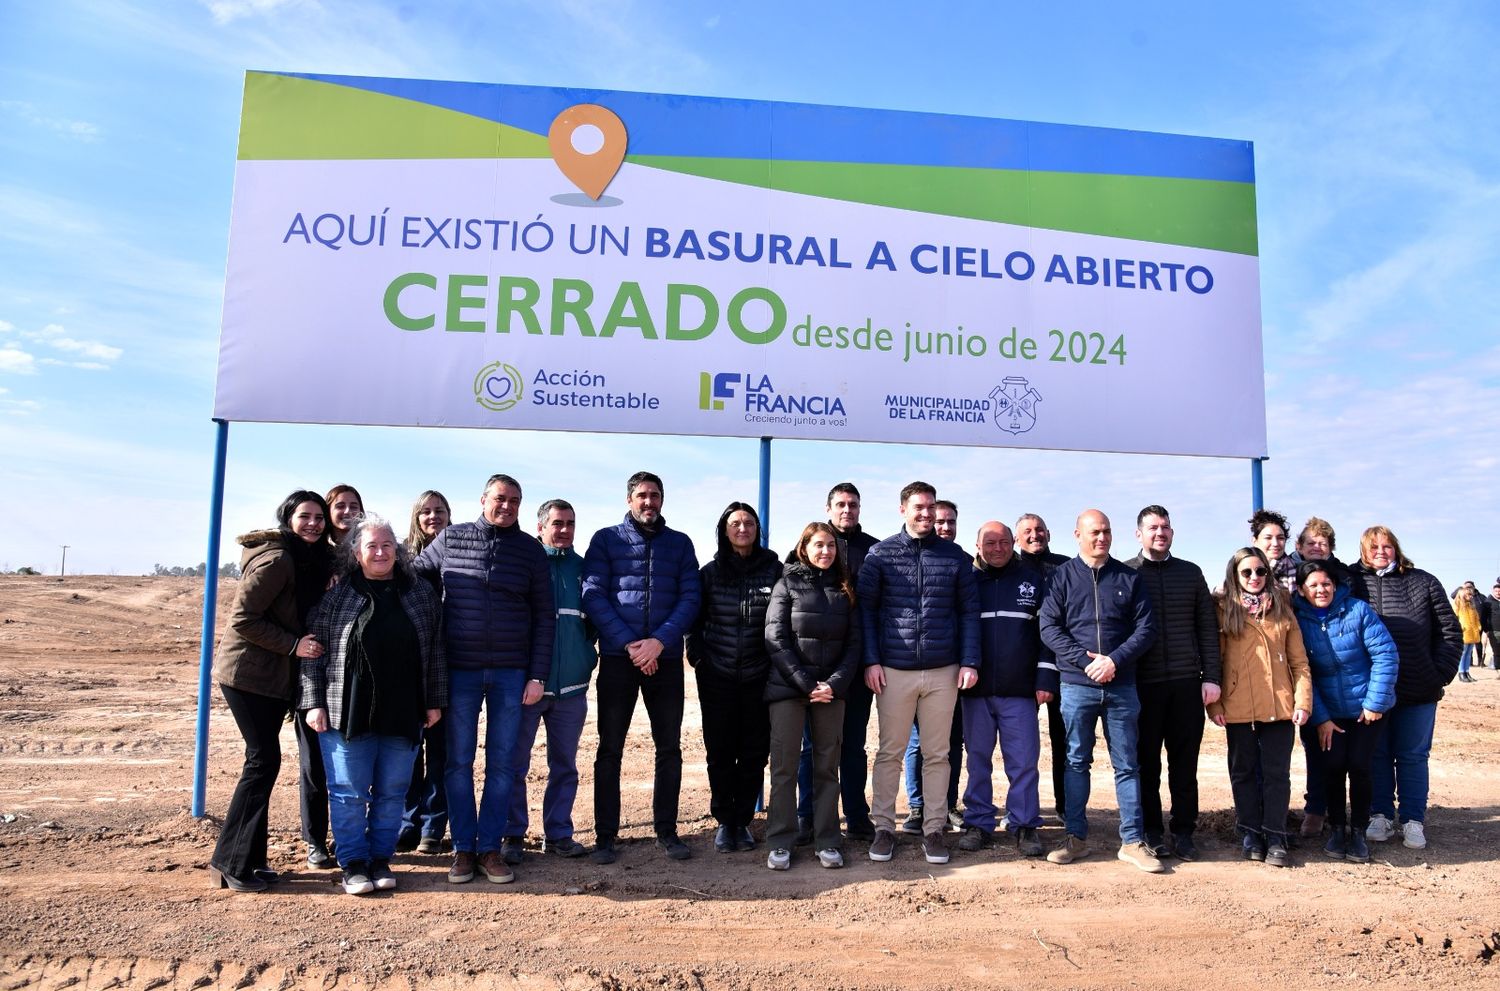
1253	572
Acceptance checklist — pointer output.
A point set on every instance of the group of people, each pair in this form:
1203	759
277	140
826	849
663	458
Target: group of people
384	652
1479	617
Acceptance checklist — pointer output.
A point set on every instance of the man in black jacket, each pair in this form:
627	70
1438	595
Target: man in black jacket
1176	678
1016	674
1033	543
1490	619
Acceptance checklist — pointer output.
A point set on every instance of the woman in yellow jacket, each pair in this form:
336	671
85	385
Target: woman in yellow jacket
1267	693
1468	619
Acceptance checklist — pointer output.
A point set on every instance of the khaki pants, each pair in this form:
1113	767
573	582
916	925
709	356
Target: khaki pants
929	697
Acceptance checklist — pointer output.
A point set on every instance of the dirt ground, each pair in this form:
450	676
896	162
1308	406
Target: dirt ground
103	882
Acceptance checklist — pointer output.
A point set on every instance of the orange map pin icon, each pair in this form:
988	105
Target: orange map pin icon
588	144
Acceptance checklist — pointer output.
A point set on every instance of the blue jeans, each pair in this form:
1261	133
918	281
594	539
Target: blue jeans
1467	657
564	719
1400	763
499	691
1120	708
367	779
426	814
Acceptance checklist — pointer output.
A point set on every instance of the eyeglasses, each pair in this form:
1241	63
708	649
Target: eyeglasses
1253	572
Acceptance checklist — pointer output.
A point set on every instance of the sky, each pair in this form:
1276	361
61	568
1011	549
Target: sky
1378	191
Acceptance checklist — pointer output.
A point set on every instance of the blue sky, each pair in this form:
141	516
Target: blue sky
1378	182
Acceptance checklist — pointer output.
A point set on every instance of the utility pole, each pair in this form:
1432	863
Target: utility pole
63	571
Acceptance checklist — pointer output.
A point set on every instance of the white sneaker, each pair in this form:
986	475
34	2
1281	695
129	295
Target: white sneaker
779	859
831	858
1413	836
1379	830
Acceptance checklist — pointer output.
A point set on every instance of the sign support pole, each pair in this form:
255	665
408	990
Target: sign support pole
210	610
1257	486
765	492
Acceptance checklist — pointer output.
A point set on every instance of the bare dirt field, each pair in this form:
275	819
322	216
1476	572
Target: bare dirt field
102	879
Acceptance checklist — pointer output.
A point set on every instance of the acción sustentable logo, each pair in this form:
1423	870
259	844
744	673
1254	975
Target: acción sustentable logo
498	387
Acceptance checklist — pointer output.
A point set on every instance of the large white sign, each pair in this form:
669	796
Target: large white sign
444	254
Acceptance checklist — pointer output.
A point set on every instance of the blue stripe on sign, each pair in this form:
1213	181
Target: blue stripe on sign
711	127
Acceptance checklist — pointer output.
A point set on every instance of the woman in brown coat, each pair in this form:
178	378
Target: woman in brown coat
282	575
1267	692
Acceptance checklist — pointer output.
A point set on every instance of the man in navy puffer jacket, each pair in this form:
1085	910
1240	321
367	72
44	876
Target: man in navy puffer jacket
919	606
1097	621
498	629
1016	675
641	592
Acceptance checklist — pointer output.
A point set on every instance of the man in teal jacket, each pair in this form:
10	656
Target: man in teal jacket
564	704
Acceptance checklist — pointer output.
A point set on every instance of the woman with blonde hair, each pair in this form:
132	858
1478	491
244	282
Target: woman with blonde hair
1267	693
1415	608
1468	622
430	516
425	818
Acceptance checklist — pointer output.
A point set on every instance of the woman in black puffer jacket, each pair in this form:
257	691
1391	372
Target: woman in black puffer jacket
1416	611
812	633
727	650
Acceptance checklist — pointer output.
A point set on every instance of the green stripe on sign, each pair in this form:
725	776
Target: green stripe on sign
286	118
1199	213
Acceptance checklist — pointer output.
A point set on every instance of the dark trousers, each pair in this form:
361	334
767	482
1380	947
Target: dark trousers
1171	717
312	784
1315	799
618	686
737	740
426	812
1349	758
1260	775
789	720
1057	736
242	837
854	763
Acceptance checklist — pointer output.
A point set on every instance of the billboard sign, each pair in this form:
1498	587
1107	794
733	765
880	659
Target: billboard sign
422	253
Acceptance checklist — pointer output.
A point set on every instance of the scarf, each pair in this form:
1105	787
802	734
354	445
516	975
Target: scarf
312	564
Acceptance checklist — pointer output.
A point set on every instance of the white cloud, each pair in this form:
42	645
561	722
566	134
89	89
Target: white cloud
54	335
6	327
89	349
80	130
225	11
19	407
93	366
15	360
